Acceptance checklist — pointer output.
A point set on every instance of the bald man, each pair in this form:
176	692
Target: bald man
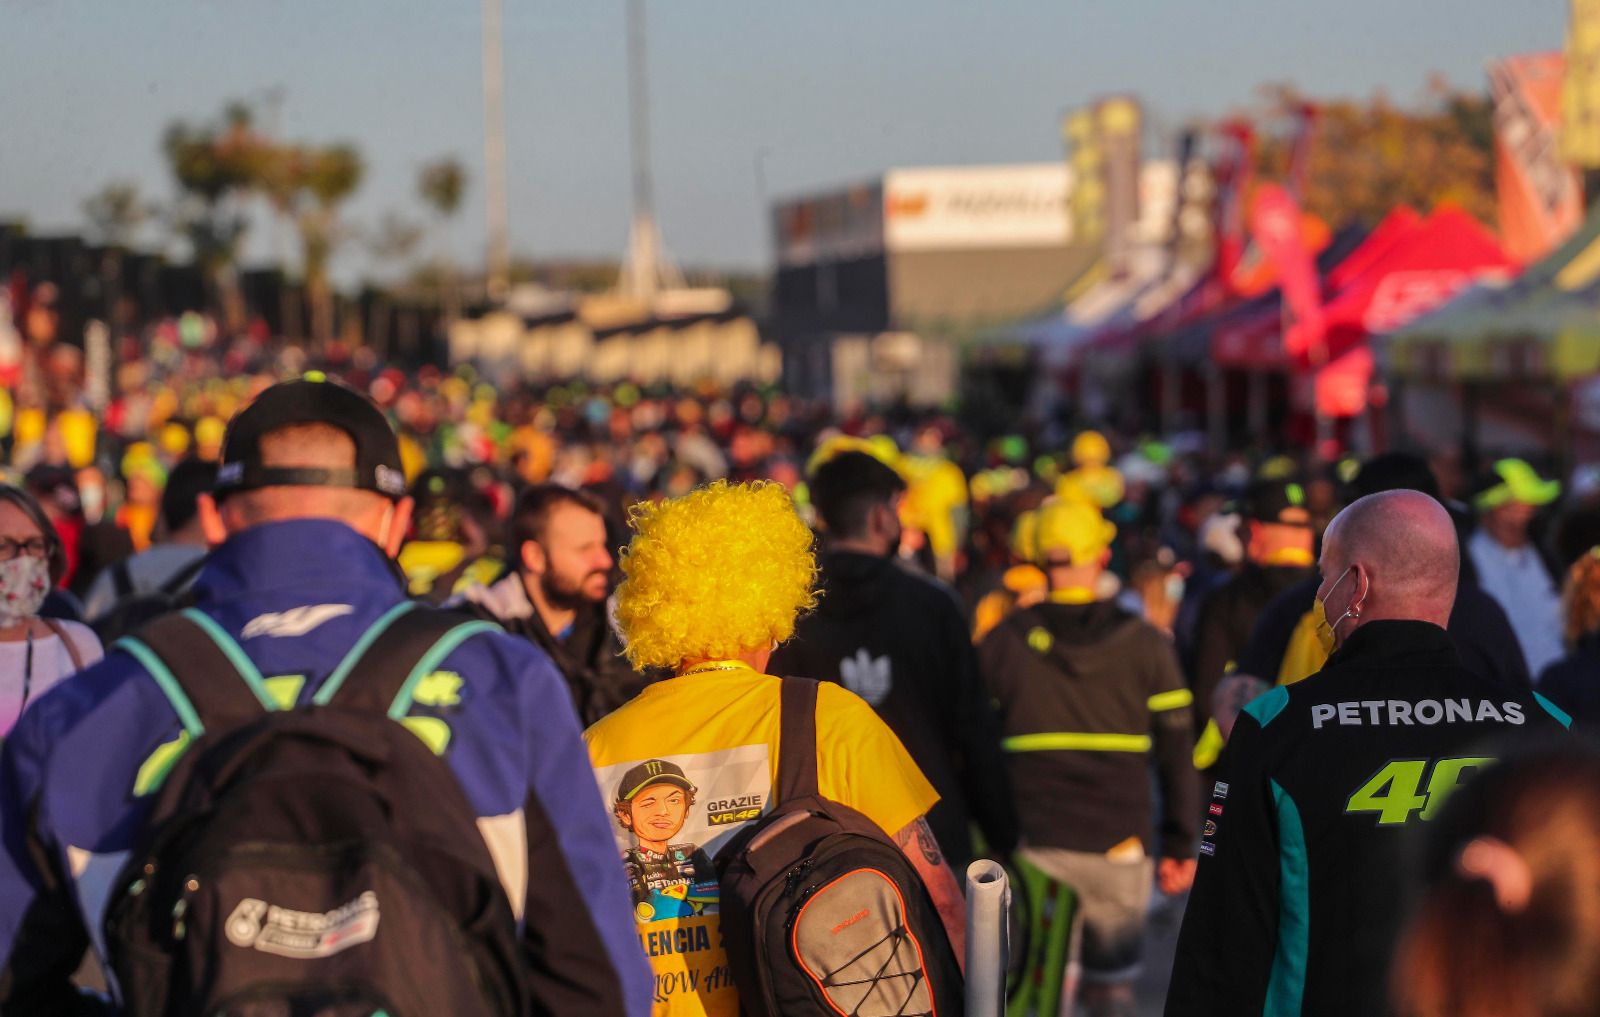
1300	887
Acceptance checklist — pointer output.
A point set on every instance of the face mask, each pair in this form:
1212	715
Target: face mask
1175	586
24	583
1327	632
93	500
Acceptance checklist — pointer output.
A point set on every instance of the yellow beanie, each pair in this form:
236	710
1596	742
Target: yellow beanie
1072	529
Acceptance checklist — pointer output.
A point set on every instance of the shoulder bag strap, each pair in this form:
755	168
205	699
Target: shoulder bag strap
66	640
797	739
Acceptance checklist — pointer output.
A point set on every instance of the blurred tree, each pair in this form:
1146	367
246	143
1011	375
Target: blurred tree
115	213
217	168
309	184
395	239
442	184
1366	157
393	242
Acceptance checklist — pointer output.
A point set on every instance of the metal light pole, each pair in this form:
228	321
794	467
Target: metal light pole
645	271
494	153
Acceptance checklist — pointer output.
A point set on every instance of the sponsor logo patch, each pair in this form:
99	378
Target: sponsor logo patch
1211	828
867	676
391	481
1207	848
1220	790
1216	808
303	935
296	621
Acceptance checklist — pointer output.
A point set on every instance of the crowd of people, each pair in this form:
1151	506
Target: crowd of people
1120	665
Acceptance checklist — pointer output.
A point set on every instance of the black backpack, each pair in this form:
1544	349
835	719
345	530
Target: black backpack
310	862
821	913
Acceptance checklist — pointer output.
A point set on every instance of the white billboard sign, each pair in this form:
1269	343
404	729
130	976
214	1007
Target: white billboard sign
977	207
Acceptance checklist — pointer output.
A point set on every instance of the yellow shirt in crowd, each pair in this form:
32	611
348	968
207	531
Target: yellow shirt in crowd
690	763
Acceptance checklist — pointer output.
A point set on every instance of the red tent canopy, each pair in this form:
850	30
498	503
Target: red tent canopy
1255	343
1447	253
1405	268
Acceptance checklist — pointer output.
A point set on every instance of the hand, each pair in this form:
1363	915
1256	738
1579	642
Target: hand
1175	875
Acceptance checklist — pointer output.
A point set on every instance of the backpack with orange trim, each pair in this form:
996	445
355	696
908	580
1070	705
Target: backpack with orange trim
821	912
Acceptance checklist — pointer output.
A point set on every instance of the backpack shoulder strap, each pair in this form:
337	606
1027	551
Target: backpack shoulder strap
122	579
381	672
179	580
201	670
797	739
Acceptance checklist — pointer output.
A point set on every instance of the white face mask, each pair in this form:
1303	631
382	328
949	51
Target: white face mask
24	583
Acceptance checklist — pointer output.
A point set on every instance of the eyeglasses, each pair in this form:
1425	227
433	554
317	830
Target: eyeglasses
33	547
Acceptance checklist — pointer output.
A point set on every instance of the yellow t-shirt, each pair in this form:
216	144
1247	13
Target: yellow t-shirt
691	760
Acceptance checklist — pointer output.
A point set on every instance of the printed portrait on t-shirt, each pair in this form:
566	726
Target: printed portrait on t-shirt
673	815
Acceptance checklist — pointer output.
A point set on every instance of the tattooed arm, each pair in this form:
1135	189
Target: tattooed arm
917	842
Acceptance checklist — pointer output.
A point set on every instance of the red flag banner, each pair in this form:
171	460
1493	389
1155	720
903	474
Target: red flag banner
1279	231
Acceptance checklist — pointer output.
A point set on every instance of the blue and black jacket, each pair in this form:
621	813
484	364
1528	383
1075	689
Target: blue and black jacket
1303	881
78	772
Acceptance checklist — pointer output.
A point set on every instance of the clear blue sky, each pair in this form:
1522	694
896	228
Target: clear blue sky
829	91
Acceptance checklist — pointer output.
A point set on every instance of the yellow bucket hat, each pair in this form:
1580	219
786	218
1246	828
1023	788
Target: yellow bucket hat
1518	482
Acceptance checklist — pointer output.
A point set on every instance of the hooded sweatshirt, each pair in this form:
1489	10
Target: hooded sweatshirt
899	641
1089	695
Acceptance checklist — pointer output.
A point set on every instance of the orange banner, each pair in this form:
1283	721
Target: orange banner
1541	202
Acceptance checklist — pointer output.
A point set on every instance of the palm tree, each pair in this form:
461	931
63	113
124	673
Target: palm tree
324	179
217	168
116	212
442	184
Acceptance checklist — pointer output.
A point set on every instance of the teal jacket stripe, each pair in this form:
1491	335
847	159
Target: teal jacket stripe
1287	985
1266	707
1555	711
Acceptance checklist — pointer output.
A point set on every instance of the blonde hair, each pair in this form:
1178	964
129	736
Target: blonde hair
1581	598
722	570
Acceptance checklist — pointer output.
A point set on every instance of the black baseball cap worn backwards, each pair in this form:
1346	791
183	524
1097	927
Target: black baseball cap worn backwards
312	399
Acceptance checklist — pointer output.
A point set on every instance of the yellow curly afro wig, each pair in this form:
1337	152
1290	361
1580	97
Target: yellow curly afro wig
724	569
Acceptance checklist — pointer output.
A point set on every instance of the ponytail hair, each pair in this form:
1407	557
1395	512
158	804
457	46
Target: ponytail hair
1509	924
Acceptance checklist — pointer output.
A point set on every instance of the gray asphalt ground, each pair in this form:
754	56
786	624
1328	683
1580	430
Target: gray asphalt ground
1160	941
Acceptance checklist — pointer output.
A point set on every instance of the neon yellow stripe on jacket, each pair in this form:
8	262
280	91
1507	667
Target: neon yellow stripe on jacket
1177	699
1078	741
1208	747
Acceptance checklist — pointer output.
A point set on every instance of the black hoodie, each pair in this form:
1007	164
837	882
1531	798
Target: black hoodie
1089	695
900	642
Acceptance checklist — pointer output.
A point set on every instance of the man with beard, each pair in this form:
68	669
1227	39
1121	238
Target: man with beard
555	595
